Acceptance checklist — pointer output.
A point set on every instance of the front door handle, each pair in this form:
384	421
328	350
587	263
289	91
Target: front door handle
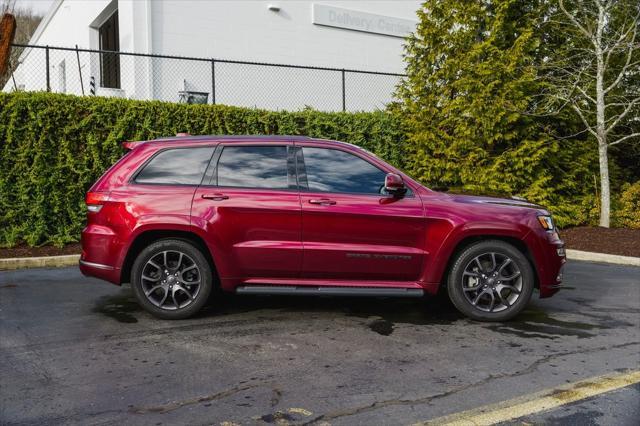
215	197
322	201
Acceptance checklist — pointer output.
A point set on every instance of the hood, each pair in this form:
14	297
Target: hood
475	199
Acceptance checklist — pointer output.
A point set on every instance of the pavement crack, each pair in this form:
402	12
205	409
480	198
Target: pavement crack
427	399
174	405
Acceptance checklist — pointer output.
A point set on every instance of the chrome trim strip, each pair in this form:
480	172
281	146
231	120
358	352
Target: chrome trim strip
96	265
330	291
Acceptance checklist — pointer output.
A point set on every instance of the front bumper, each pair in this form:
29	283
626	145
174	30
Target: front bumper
549	257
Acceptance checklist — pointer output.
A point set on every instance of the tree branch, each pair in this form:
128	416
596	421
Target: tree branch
622	139
622	115
585	94
626	65
575	21
584	120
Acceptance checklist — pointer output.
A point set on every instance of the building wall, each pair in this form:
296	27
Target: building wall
247	30
236	30
70	24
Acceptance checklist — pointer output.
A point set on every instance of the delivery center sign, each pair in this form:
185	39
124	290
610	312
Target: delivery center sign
356	20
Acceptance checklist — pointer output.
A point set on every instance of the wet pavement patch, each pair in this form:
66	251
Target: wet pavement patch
119	307
382	327
536	323
428	311
277	417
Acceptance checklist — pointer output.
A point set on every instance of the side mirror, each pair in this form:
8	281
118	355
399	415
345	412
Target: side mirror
394	185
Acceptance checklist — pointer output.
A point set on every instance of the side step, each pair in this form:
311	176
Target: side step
330	291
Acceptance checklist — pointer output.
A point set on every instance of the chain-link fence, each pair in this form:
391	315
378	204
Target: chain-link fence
199	80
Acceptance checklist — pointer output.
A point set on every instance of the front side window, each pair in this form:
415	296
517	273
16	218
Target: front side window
254	167
331	170
180	166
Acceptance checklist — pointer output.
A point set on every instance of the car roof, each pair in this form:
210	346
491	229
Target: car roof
202	139
232	138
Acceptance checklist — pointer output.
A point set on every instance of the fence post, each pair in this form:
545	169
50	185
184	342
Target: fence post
47	64
344	95
79	69
213	81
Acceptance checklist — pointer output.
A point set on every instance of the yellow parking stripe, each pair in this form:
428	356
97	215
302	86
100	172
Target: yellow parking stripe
539	401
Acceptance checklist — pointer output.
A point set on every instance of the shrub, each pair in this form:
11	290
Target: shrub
627	214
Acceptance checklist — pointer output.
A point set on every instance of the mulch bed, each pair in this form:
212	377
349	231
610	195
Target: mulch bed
625	242
26	251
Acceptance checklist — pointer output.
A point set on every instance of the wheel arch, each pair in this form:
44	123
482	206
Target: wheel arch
145	238
472	239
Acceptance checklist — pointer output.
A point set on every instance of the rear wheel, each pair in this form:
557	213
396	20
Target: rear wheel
491	281
171	279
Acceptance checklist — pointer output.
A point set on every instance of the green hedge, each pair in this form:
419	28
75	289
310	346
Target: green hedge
53	147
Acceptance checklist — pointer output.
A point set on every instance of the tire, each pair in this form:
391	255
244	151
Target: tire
171	279
490	281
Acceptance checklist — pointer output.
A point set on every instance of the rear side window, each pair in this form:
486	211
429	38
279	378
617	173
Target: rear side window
254	167
331	170
180	166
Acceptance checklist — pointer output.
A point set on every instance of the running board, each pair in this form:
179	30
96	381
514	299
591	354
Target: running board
330	291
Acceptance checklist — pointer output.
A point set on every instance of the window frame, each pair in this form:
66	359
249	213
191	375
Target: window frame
301	169
292	176
134	176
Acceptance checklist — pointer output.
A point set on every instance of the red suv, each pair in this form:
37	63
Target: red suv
291	215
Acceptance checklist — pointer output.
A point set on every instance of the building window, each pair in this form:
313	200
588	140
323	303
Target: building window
110	62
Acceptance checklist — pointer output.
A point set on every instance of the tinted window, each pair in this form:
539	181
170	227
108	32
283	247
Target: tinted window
253	167
330	170
184	166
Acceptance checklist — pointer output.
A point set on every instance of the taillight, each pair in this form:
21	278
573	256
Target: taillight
95	200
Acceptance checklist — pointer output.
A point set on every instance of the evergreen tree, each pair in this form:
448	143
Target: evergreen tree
471	75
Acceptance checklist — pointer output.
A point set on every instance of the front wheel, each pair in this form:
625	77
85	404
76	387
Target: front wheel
171	279
491	281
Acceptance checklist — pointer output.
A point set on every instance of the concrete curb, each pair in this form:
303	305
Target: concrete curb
39	262
601	257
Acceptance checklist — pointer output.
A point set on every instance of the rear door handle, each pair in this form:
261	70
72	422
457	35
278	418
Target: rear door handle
322	201
215	197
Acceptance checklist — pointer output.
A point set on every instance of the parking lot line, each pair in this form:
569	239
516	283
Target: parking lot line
539	401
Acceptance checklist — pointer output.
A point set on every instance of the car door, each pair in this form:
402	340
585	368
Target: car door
351	230
250	211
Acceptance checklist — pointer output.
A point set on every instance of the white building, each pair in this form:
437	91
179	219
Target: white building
358	35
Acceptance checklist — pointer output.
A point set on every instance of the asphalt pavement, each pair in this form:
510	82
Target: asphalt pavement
75	350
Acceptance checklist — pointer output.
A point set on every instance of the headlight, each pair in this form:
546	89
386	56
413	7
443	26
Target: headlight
546	222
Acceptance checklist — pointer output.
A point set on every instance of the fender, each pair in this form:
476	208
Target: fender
446	246
152	223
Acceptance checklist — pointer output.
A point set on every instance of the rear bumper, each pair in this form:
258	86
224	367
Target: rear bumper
101	250
548	254
97	270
